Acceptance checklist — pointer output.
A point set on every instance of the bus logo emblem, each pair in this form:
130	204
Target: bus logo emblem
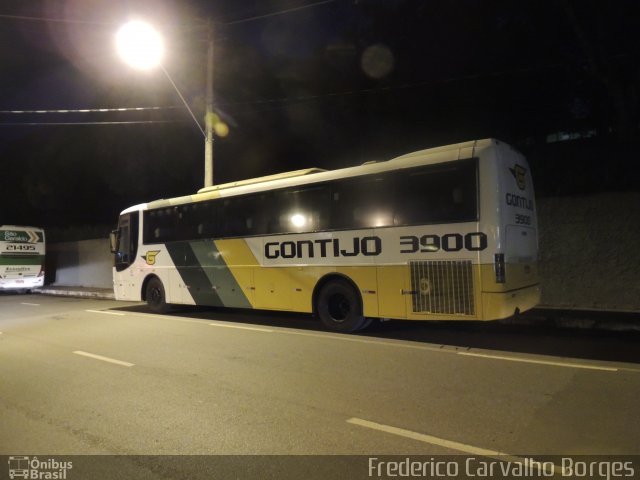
425	286
518	173
150	257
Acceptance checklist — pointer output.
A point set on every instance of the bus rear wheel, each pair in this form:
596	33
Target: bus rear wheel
155	296
339	307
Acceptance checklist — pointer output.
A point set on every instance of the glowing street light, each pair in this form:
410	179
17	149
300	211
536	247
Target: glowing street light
142	47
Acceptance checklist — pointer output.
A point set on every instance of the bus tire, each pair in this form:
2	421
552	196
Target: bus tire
340	308
155	296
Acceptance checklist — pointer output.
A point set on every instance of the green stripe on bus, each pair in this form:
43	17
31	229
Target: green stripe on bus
192	274
219	274
20	236
202	268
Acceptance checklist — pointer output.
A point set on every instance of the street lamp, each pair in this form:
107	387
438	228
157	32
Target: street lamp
141	46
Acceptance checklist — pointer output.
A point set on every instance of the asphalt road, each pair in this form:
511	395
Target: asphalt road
105	377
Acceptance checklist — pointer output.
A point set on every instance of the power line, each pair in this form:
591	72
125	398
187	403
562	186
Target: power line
280	12
392	88
89	110
37	124
111	24
55	20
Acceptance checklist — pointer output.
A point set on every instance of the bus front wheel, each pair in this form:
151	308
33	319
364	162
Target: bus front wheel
156	299
339	307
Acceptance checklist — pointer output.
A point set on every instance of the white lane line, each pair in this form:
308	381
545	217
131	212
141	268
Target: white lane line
540	362
241	327
104	359
347	338
105	312
30	304
446	349
450	444
411	346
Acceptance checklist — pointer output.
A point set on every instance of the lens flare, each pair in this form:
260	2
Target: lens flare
140	45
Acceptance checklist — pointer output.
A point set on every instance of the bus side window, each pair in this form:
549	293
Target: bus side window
206	220
160	225
304	209
437	195
128	241
237	216
362	203
263	208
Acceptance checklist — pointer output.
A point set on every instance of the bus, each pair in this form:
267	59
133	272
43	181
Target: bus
447	233
22	253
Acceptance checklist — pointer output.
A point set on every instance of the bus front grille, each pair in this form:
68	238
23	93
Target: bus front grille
443	287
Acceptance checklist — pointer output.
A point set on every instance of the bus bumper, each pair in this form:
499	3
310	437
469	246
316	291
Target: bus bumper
505	304
21	284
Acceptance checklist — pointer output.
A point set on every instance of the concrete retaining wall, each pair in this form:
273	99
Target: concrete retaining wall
590	251
79	264
589	254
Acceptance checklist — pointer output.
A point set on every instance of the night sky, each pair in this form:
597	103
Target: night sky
305	83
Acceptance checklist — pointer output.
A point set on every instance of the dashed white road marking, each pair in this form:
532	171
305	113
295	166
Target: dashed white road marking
411	346
540	362
106	312
450	444
349	338
104	359
30	304
455	351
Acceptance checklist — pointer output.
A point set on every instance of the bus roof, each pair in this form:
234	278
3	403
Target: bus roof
447	153
13	227
268	178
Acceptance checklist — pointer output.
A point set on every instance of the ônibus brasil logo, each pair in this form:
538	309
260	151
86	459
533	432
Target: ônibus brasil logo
33	468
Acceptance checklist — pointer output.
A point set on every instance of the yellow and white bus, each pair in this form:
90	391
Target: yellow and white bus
22	253
448	233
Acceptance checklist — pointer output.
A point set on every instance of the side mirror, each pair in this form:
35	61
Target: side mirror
114	238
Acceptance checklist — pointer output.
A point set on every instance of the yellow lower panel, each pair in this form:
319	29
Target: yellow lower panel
392	284
502	305
241	262
446	290
517	275
286	288
386	291
303	281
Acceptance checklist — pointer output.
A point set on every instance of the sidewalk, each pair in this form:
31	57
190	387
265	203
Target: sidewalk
83	292
578	319
612	321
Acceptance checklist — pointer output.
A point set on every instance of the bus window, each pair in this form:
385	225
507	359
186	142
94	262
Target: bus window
238	216
445	194
301	210
127	240
361	203
160	225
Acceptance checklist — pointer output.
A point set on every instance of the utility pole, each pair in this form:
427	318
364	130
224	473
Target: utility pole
209	115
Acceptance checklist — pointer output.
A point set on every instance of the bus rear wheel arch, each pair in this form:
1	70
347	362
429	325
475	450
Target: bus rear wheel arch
338	304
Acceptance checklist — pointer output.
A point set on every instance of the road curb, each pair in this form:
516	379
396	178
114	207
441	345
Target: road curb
560	318
602	320
66	292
